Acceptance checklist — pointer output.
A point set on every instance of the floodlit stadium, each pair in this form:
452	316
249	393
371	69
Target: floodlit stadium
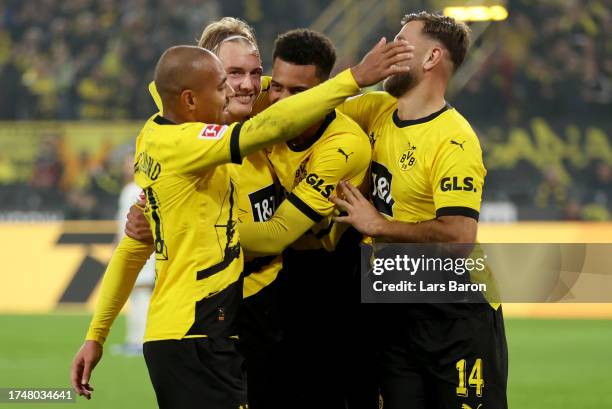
497	155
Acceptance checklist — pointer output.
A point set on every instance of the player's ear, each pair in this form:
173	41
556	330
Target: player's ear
433	58
188	100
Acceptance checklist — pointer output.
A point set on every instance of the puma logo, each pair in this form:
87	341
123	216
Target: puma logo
346	155
458	144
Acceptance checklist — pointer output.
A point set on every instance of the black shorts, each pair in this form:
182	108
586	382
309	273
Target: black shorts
196	373
327	362
458	363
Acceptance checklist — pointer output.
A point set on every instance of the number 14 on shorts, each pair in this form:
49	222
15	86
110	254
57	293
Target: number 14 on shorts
475	380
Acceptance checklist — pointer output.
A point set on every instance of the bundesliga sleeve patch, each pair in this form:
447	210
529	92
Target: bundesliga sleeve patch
212	131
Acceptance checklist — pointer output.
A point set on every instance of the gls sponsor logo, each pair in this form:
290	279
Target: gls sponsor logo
381	189
452	183
317	184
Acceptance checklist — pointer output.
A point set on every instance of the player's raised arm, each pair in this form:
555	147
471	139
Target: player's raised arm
192	86
292	116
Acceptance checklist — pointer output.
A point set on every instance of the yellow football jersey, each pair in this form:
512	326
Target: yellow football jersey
258	196
190	187
309	174
191	207
421	169
257	199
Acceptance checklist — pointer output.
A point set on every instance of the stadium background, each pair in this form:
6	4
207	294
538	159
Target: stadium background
537	87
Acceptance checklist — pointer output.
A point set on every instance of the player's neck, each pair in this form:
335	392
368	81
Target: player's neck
306	136
421	101
175	117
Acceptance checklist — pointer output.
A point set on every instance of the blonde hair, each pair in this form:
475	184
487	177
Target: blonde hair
236	39
218	31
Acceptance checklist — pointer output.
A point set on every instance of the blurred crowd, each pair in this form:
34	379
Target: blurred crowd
550	58
93	59
60	183
88	59
537	194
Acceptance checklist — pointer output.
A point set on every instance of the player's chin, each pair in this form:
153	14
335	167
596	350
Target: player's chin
239	109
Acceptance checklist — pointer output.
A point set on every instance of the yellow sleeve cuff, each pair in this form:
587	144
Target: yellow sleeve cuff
97	335
346	77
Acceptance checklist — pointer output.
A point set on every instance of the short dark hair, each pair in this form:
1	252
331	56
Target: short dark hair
306	47
455	35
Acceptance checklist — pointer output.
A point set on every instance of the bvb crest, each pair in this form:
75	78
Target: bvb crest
407	160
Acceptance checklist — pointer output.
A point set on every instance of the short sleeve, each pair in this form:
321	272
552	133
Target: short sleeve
458	177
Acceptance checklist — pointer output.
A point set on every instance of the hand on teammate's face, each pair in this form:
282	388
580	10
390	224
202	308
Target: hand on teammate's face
83	364
137	226
383	60
361	213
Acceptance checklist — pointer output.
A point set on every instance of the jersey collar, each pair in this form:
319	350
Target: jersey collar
160	120
301	148
407	122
